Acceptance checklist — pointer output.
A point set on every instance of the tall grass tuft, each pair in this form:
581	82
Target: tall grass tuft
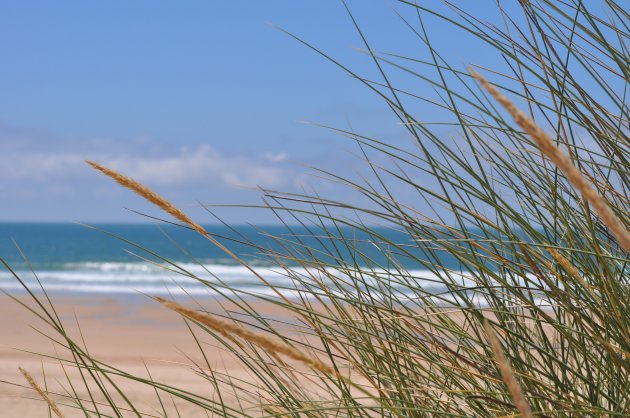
530	315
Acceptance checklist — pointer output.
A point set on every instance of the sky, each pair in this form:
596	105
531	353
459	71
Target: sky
204	101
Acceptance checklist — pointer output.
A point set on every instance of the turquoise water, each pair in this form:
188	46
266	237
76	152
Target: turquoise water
106	258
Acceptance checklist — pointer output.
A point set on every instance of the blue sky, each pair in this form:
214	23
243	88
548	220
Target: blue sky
201	100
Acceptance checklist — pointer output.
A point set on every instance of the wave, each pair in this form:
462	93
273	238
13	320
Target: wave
212	278
219	279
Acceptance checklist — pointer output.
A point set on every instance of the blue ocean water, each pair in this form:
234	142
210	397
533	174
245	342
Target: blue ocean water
121	258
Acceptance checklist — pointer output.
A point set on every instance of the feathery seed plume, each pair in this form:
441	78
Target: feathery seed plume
171	209
150	195
228	329
53	406
566	264
507	374
562	161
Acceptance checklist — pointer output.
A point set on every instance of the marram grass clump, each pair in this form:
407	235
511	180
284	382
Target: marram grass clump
530	205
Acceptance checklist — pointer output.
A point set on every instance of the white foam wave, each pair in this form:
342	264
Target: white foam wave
139	272
130	277
147	278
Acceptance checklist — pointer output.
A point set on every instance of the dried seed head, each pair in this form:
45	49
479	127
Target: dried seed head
53	406
229	329
507	374
562	161
150	195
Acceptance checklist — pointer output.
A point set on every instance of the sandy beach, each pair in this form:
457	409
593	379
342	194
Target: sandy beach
122	331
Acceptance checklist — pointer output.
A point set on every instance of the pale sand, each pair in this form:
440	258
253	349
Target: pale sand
122	331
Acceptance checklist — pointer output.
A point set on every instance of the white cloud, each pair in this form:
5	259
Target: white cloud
38	166
188	166
276	157
202	164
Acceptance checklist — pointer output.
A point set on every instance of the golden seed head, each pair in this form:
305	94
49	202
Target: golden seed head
562	161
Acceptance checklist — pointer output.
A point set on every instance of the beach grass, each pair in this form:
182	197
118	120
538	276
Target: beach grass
526	189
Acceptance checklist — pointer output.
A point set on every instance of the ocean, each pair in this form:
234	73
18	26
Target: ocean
121	258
